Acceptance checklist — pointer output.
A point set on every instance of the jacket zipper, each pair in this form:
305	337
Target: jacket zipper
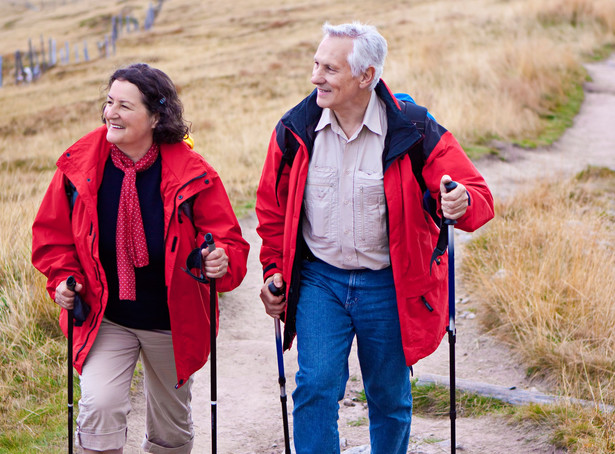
427	305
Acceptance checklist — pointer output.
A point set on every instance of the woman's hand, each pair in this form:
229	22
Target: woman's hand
64	297
216	262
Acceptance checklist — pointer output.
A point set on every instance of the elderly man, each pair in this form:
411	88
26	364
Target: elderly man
346	233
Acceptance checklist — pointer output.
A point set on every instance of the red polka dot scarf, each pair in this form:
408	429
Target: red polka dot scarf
130	244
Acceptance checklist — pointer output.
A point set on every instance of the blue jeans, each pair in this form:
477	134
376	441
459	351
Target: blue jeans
334	306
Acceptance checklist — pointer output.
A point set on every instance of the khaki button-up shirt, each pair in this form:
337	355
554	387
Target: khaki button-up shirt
345	222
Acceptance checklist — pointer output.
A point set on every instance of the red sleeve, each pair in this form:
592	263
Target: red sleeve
448	158
271	198
53	248
214	214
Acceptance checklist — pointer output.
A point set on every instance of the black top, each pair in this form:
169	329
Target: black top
150	310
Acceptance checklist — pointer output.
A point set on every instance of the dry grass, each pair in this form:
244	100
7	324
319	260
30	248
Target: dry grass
546	271
546	268
485	68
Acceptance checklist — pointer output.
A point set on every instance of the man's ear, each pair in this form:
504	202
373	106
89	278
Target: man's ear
367	77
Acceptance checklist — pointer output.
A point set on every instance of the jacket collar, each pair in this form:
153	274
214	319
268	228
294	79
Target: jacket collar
83	162
401	133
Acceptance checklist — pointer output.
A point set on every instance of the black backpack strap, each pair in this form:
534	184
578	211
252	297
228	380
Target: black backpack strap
440	248
416	114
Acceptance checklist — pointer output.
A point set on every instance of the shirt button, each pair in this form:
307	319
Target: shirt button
346	202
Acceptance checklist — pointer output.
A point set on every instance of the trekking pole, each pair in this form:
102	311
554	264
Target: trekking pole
70	284
211	246
281	377
450	329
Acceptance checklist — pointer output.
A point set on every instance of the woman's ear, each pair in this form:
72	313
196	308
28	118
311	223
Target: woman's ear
155	119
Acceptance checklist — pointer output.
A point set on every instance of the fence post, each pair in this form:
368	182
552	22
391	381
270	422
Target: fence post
31	55
0	71
19	74
86	56
149	18
52	52
66	53
43	59
114	28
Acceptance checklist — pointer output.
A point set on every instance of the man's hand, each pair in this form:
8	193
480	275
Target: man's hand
274	305
454	203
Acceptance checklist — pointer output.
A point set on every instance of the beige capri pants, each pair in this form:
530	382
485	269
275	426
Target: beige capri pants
105	392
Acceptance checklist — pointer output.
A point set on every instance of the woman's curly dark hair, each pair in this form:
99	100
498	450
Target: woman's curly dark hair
160	97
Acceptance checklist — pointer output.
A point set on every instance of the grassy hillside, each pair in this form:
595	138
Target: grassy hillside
487	69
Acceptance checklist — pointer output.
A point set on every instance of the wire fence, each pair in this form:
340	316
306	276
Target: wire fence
28	66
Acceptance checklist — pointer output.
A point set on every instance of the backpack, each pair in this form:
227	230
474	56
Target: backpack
416	116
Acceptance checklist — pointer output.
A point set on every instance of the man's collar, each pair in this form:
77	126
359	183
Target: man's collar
371	118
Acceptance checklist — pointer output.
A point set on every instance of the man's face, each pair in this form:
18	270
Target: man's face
337	88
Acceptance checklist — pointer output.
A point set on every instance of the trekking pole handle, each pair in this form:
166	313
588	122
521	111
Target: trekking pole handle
71	282
276	291
209	240
449	187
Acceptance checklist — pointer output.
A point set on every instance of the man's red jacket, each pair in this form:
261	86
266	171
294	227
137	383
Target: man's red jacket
65	243
422	297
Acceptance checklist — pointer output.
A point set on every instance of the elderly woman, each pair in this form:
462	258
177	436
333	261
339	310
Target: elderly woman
127	205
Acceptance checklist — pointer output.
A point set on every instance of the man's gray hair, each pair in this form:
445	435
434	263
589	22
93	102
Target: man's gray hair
369	47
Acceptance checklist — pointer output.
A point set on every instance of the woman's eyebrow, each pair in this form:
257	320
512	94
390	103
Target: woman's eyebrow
125	101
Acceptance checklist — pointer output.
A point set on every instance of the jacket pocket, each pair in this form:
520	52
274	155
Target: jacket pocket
423	319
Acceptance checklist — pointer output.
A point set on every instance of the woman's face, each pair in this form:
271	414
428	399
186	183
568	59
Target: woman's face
130	125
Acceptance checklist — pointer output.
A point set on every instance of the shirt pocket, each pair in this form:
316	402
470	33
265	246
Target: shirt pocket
370	212
321	201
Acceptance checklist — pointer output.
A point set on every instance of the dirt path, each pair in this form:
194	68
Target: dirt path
249	412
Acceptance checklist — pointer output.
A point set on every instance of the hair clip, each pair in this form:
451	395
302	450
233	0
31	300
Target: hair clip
162	100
